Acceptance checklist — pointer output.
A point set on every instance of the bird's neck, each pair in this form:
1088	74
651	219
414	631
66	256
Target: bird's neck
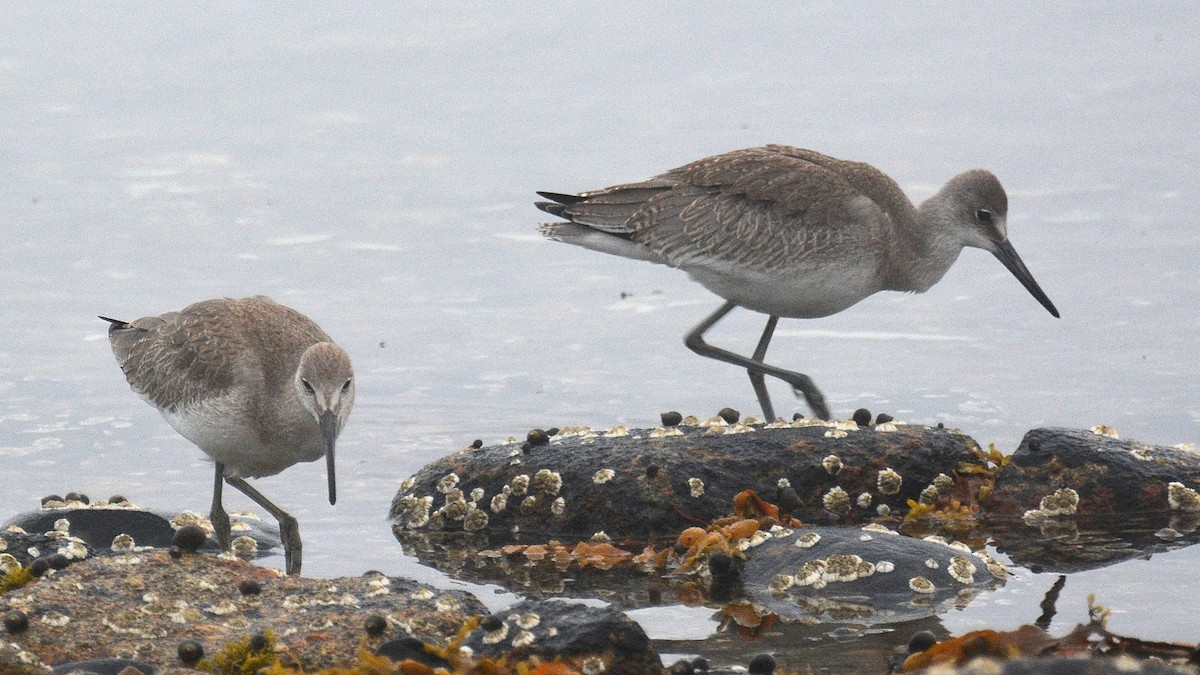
924	252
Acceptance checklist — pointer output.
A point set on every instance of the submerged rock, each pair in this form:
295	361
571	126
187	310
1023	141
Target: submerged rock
866	576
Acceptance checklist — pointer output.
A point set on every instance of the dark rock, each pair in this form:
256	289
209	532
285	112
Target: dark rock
761	664
16	621
921	641
189	538
98	525
190	651
1070	500
586	639
839	577
862	417
730	415
411	649
671	419
375	625
647	483
1112	477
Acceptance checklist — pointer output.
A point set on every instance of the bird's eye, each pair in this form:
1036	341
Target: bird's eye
307	386
984	216
346	387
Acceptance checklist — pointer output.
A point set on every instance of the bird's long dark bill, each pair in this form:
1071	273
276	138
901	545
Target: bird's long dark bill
329	431
1007	255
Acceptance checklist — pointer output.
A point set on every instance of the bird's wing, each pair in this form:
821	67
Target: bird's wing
169	361
761	208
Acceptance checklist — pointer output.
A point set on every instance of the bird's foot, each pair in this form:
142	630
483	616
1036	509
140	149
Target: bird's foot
220	523
813	396
289	533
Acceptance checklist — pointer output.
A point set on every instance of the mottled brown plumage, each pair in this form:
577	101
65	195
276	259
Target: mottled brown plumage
256	385
790	233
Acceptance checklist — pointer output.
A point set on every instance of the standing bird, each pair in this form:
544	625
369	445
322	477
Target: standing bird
256	385
790	232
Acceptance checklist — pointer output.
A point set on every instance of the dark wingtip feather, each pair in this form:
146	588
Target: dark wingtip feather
552	208
117	324
561	198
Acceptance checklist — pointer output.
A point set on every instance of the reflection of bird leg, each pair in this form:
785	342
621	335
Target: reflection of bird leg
1049	603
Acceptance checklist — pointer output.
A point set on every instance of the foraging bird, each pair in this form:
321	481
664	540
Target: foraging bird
256	385
790	233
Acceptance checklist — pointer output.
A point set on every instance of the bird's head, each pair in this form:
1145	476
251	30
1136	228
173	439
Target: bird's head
325	384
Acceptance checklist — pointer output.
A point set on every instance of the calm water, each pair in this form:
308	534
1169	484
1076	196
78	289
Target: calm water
374	167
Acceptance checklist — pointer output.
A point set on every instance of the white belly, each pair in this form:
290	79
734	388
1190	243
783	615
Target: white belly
815	293
222	429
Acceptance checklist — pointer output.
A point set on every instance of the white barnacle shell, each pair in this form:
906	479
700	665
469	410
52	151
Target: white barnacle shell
475	520
841	567
832	464
602	476
244	547
807	540
522	639
885	566
962	569
921	585
493	636
781	582
520	484
929	495
1105	430
810	573
1182	498
696	486
662	432
547	481
836	500
888	481
123	542
864	500
1062	502
447	482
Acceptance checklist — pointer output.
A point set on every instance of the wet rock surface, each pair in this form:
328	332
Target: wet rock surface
865	576
648	483
586	639
1112	478
142	605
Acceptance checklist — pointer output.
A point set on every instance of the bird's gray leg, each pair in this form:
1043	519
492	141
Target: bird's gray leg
217	516
289	529
757	379
800	382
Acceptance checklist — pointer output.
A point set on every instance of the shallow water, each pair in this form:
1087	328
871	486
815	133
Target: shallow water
374	167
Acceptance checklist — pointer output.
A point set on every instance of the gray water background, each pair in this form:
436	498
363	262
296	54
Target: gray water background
374	167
